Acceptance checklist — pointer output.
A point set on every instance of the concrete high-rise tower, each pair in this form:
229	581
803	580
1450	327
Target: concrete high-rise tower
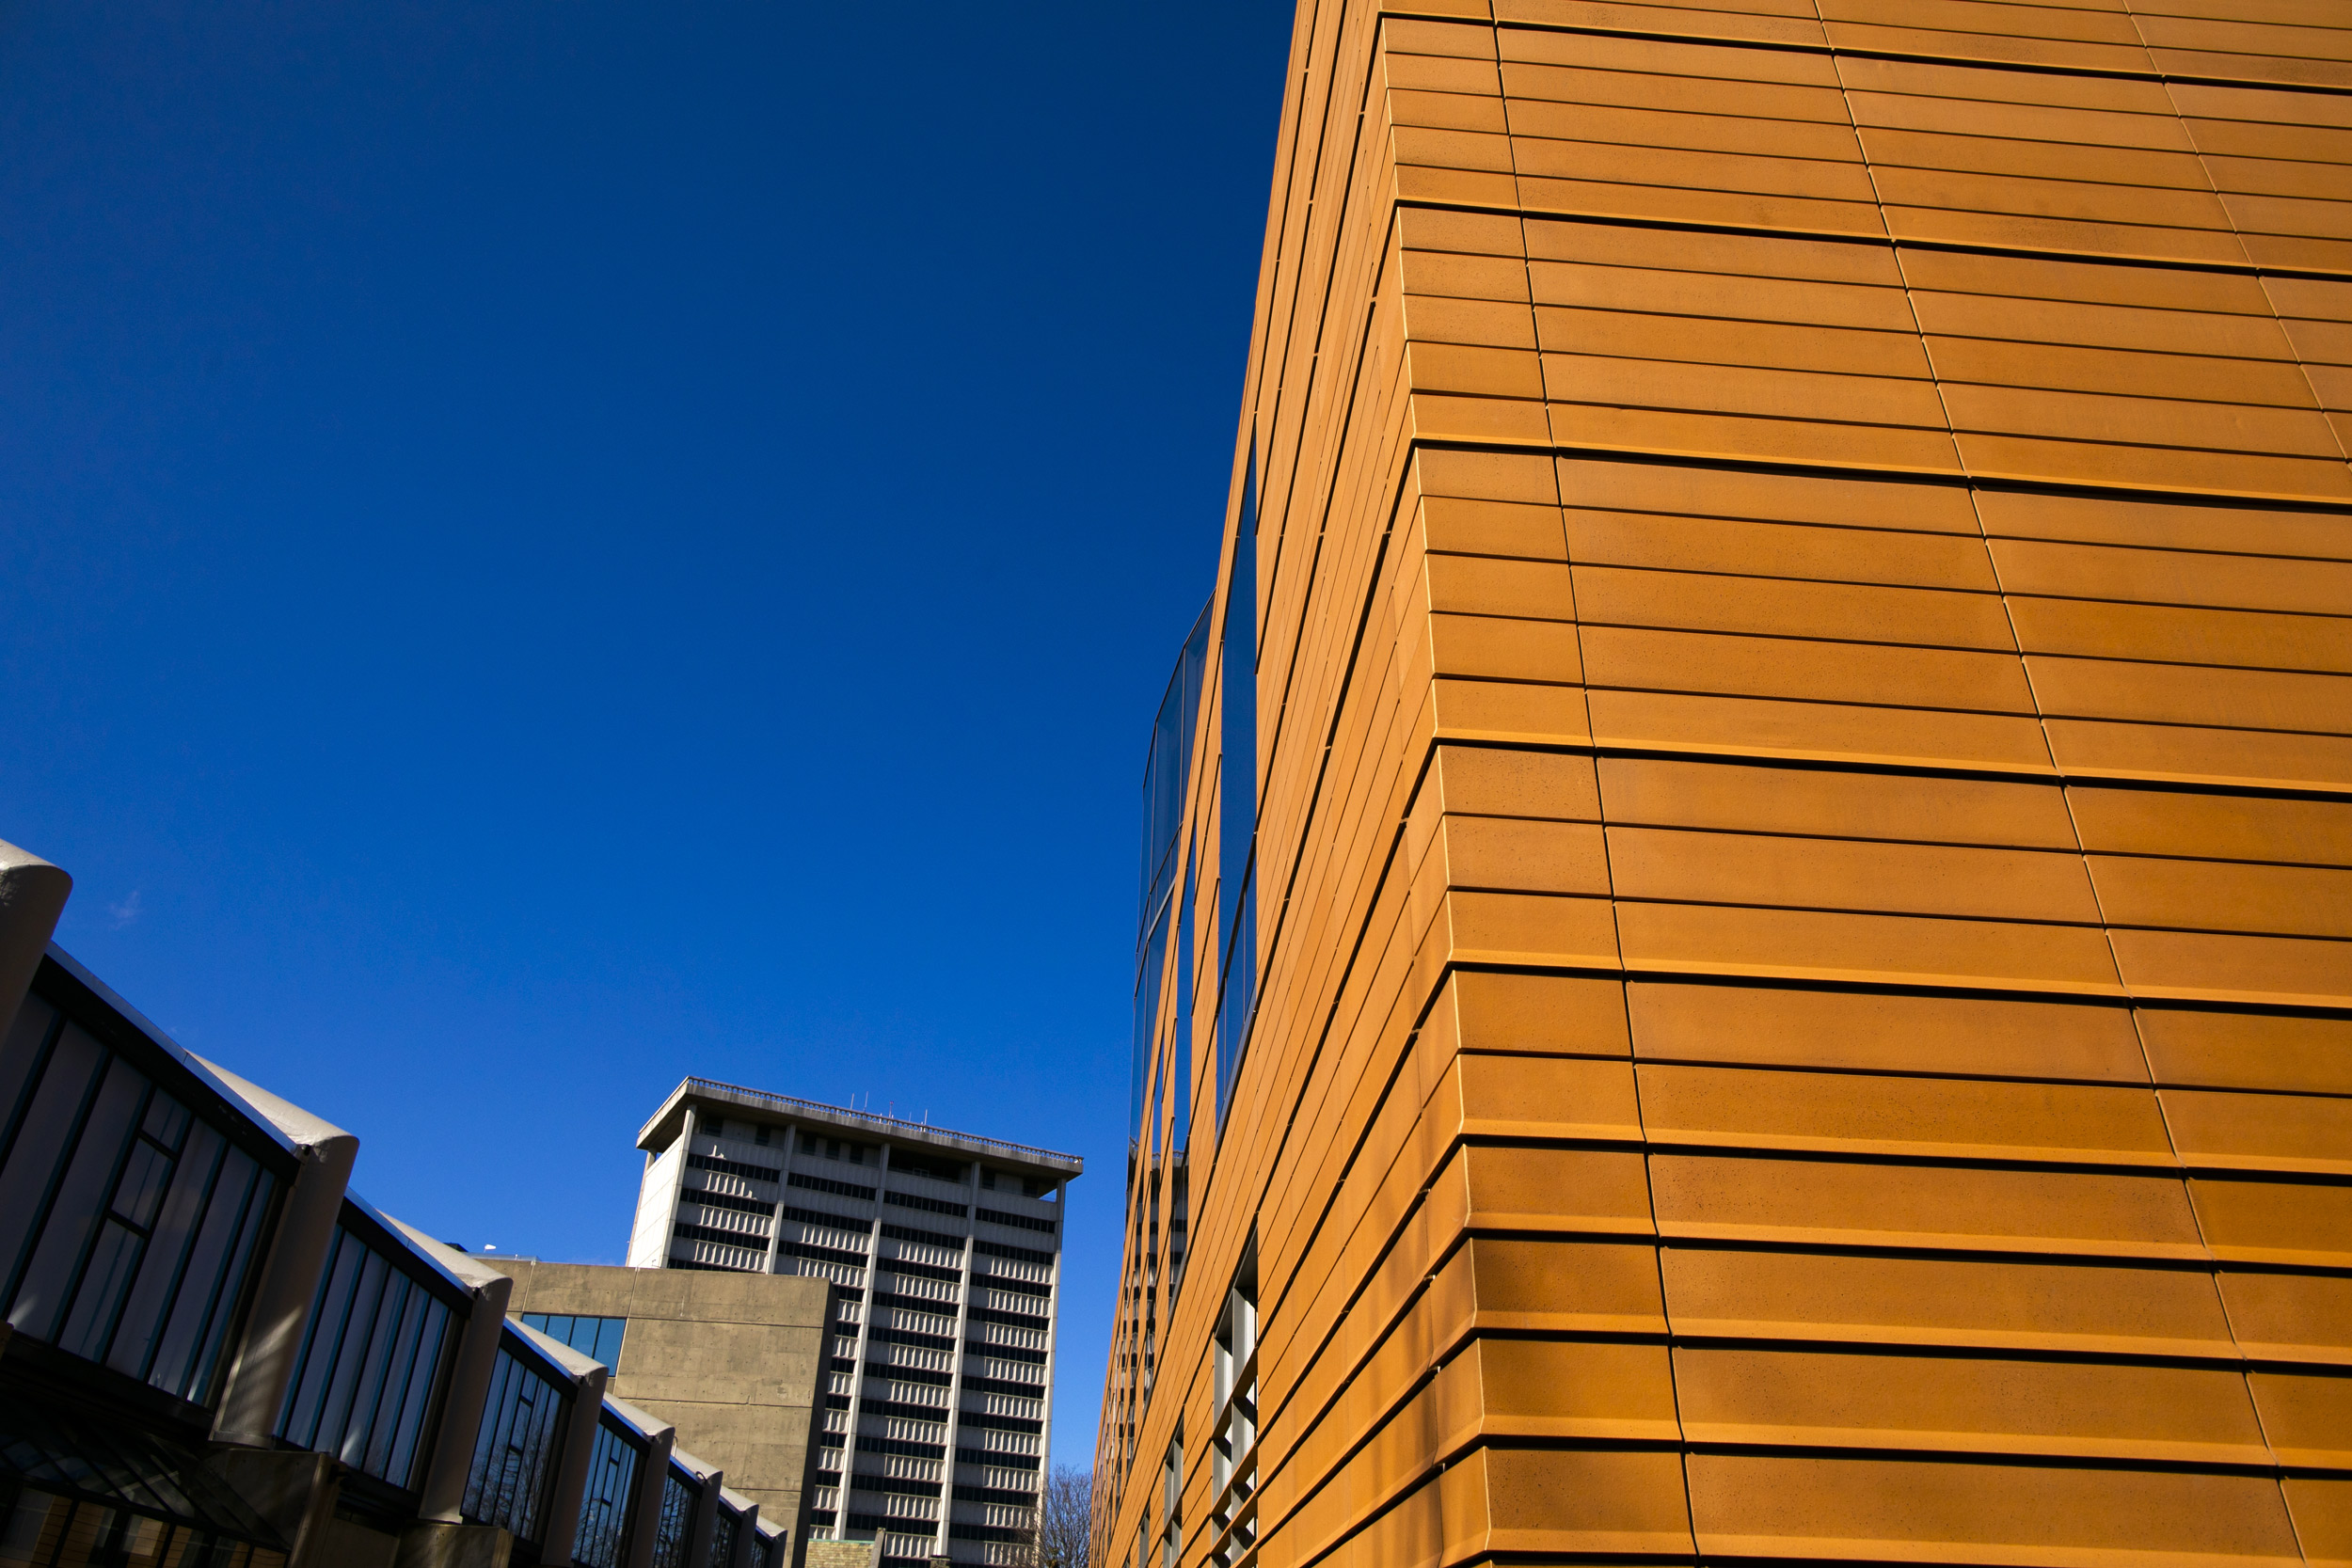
945	1251
1747	942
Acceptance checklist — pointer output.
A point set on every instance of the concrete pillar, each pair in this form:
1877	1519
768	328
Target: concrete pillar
571	1467
650	1480
1053	1325
435	1543
962	1353
783	1180
263	1361
857	1384
443	1495
32	896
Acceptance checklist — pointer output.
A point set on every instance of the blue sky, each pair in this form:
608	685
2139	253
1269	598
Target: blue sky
553	545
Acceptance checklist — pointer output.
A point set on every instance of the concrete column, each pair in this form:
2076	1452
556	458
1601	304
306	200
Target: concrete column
32	896
264	1360
955	1384
857	1378
433	1543
650	1239
784	1178
571	1467
443	1494
689	1124
650	1480
1053	1327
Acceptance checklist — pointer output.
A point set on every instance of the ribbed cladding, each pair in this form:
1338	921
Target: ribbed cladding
892	1372
1811	804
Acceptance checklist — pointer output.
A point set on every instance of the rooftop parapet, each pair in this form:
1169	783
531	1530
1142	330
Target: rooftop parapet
663	1128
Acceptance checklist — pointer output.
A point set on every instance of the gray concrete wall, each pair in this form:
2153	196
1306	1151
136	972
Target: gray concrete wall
734	1361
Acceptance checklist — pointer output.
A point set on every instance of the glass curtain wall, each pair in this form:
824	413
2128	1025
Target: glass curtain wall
1237	804
103	1493
1160	1097
598	1339
605	1512
369	1374
513	1458
128	1223
46	1532
1167	765
679	1498
1178	1072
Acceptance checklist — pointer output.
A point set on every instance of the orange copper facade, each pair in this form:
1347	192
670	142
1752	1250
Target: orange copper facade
1803	773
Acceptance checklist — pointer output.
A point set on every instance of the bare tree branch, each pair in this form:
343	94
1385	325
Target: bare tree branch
1065	1522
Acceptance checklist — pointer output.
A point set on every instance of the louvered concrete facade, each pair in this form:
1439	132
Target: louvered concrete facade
945	1251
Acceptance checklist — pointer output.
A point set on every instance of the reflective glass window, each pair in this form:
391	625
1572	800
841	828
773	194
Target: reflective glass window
1167	771
1180	1122
604	1501
515	1456
128	1224
1150	965
679	1498
1237	804
369	1370
598	1339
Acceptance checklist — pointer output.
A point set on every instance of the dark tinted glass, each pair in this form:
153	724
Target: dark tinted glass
78	1209
1180	1084
515	1455
369	1369
1166	769
187	1358
53	1069
1237	805
1149	966
679	1498
168	1250
604	1502
127	1223
598	1339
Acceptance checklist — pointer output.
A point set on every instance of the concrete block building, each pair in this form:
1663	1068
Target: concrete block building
1747	940
734	1360
944	1251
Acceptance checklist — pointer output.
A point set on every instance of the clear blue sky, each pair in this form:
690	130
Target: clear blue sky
551	546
